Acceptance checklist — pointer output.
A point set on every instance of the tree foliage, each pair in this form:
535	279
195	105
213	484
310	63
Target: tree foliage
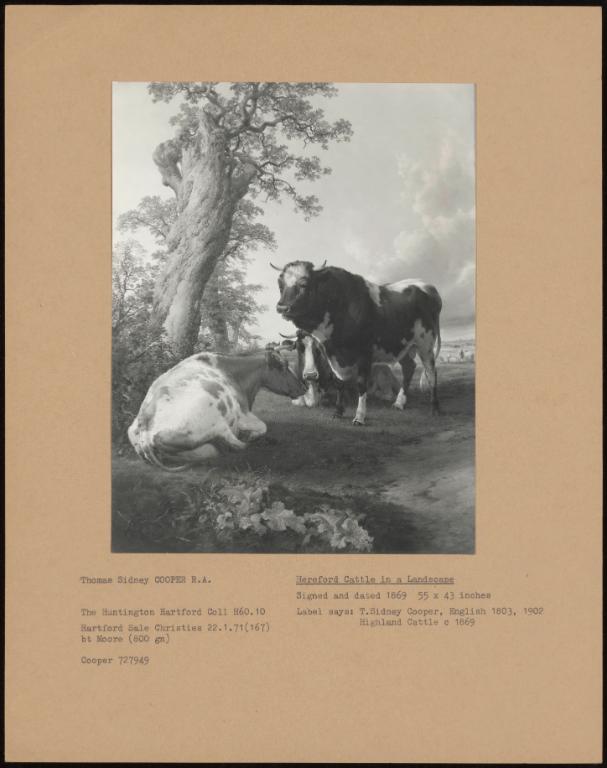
140	352
154	214
254	119
229	299
229	305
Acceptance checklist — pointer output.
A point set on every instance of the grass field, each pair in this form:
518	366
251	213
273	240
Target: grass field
406	478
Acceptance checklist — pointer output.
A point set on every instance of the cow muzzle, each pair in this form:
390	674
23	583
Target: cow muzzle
310	375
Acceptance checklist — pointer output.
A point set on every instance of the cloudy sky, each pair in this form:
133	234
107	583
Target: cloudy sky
398	203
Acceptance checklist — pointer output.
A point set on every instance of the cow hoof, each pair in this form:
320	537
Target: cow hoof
398	406
358	423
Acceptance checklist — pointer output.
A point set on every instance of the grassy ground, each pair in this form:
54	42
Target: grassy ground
408	478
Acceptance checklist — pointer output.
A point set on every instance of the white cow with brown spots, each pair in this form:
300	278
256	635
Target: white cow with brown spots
205	402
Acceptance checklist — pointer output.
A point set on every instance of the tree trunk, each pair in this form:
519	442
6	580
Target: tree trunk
236	333
197	168
216	314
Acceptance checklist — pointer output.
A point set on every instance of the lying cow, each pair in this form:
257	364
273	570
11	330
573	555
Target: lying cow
204	402
358	322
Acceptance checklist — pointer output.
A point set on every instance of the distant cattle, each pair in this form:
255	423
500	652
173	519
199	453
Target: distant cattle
462	357
357	323
204	403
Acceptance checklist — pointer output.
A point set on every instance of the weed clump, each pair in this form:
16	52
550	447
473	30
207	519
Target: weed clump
236	513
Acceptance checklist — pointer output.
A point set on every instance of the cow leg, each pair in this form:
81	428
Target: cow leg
407	365
339	399
251	426
408	368
433	379
426	352
401	400
230	439
361	410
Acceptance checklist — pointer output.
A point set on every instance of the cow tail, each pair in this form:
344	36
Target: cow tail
423	379
166	468
148	452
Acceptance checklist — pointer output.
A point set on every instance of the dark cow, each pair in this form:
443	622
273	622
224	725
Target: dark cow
358	323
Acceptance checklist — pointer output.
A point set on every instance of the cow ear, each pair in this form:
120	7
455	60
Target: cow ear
273	359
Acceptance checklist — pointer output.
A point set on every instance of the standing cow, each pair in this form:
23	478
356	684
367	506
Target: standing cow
311	367
358	322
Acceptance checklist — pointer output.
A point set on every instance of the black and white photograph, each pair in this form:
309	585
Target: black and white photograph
293	317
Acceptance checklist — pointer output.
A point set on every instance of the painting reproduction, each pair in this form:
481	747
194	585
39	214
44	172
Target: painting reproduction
293	318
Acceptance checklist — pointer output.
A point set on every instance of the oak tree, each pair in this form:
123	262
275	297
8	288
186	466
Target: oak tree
232	141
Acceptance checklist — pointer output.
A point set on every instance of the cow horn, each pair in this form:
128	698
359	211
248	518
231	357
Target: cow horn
324	264
294	336
278	269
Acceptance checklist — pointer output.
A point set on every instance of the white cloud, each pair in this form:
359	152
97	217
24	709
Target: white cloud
356	254
439	247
